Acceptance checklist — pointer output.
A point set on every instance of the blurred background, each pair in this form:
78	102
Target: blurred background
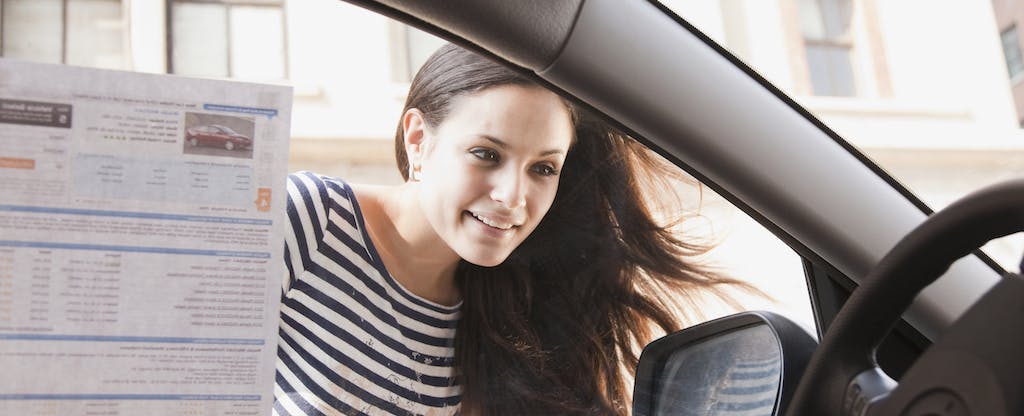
930	89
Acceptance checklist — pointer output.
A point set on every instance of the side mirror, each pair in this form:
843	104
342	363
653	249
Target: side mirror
748	363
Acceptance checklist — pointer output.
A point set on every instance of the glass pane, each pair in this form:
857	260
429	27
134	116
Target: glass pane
200	40
747	251
1011	49
96	34
836	18
257	43
32	30
831	70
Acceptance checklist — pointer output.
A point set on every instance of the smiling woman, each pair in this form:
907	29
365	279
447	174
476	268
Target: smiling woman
516	271
487	173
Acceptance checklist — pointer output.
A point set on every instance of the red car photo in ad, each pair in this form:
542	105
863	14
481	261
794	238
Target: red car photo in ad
219	135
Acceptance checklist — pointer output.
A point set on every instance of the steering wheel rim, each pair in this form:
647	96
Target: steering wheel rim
848	347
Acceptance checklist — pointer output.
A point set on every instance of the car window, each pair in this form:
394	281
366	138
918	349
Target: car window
347	100
363	153
881	74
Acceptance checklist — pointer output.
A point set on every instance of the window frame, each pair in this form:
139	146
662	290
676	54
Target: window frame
868	56
64	36
228	4
63	29
1015	77
830	41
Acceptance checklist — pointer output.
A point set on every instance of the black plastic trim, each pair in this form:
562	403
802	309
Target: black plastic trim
829	291
827	294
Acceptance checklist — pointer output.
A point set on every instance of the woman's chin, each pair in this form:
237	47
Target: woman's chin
485	260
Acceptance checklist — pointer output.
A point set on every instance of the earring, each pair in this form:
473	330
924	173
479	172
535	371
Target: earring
414	173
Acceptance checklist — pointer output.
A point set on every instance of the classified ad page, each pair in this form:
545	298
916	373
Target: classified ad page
140	242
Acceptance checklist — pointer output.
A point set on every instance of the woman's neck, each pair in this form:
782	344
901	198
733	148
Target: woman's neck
409	247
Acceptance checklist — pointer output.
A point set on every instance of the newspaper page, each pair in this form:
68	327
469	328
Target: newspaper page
140	246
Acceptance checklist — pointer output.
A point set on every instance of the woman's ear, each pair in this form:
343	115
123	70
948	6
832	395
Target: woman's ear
414	127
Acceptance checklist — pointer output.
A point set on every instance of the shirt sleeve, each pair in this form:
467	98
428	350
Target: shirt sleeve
306	222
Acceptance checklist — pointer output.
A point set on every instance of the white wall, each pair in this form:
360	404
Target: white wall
947	52
146	35
341	68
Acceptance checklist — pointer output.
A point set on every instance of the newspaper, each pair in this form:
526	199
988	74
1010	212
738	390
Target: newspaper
140	242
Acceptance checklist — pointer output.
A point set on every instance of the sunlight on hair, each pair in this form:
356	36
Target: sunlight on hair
727	241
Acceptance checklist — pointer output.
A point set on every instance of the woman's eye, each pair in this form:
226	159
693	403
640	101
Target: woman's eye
485	154
545	170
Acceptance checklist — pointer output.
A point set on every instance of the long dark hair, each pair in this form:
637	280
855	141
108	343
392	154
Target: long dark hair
551	329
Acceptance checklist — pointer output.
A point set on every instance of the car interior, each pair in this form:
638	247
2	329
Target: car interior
910	317
903	301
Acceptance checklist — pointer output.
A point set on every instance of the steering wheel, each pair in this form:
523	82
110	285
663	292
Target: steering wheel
975	368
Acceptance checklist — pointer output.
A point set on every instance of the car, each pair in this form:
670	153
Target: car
217	135
889	341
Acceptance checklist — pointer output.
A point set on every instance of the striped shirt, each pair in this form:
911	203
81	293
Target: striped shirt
352	340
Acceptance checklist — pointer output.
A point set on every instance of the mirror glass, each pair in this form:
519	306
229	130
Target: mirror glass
734	373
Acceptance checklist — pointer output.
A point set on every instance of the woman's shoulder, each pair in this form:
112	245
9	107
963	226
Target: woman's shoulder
308	179
320	193
370	193
327	187
352	196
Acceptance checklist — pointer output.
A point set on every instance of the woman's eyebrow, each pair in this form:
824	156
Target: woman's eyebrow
504	146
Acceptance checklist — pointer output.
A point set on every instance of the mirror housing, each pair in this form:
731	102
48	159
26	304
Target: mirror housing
749	362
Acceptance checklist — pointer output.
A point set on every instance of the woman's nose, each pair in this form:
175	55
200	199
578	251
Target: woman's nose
509	189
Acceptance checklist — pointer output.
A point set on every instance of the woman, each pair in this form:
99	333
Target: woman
518	270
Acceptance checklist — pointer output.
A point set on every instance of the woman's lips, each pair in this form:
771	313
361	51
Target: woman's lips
493	222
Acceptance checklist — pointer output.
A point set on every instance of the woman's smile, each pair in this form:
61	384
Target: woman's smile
494	224
496	220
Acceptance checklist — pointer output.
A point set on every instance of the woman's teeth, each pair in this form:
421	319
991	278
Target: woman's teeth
492	223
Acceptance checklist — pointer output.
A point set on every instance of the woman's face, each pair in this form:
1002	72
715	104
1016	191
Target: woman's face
489	172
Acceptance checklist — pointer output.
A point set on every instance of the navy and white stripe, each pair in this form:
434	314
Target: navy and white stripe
748	389
352	340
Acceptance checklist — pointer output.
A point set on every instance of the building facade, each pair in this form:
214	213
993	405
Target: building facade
928	98
1009	16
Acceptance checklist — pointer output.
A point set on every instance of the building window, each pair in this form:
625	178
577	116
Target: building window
410	48
1011	50
236	39
825	26
76	32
